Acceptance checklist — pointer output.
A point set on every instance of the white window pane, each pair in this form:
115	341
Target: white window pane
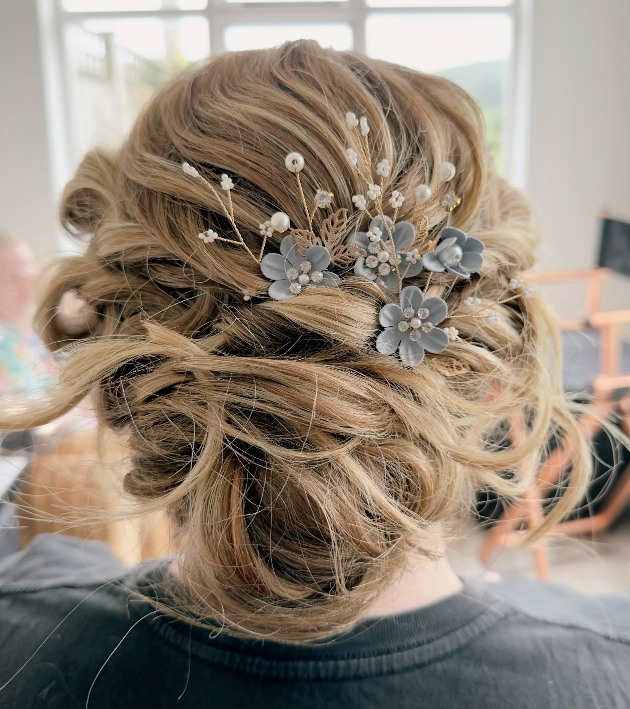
117	64
470	49
190	4
240	37
110	5
438	3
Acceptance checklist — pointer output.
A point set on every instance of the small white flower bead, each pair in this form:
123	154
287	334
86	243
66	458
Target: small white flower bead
471	303
415	336
422	193
210	236
279	222
352	157
189	170
408	312
292	274
363	126
303	279
493	318
423	313
351	119
372	236
415	323
359	201
384	269
376	231
202	235
383	168
373	191
371	262
396	200
403	326
246	296
445	172
383	256
295	288
528	293
516	283
305	266
452	333
412	256
294	162
226	183
317	276
266	229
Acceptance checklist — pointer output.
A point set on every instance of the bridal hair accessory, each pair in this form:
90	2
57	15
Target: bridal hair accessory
387	253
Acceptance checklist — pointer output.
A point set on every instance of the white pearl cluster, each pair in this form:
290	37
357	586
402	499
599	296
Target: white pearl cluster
207	236
373	191
352	156
517	283
226	183
300	279
189	170
396	200
452	333
413	256
359	202
471	302
383	168
417	322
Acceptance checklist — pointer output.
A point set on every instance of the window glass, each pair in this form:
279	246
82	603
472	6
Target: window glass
471	49
438	3
110	5
239	37
117	64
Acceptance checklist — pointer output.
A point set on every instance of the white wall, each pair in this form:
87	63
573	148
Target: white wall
579	158
27	203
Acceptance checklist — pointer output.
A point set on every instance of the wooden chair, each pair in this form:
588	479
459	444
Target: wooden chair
528	510
80	475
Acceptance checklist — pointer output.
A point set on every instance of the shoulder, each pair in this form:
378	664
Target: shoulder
54	561
64	604
553	606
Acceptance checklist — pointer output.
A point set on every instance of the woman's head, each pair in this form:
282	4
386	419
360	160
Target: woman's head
301	463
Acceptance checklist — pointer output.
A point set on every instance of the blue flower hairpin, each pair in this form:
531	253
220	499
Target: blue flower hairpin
456	253
291	273
382	262
411	328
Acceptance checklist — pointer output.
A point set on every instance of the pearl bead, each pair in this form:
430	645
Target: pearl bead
303	279
415	323
294	162
280	222
383	256
422	193
445	171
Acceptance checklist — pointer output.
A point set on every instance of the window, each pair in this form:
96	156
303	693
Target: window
115	53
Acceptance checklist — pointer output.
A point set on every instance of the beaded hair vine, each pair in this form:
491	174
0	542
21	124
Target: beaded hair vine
387	253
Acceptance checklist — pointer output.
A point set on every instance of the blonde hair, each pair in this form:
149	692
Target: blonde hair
302	464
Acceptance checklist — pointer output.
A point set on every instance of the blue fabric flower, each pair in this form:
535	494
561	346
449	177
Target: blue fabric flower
377	265
411	327
293	273
456	253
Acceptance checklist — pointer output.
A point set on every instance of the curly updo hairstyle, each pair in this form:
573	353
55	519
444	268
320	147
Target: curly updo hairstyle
301	465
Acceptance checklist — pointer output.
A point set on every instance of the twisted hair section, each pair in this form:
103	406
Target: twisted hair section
300	463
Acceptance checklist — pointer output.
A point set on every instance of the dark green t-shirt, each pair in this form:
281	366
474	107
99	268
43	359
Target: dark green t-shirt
72	634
